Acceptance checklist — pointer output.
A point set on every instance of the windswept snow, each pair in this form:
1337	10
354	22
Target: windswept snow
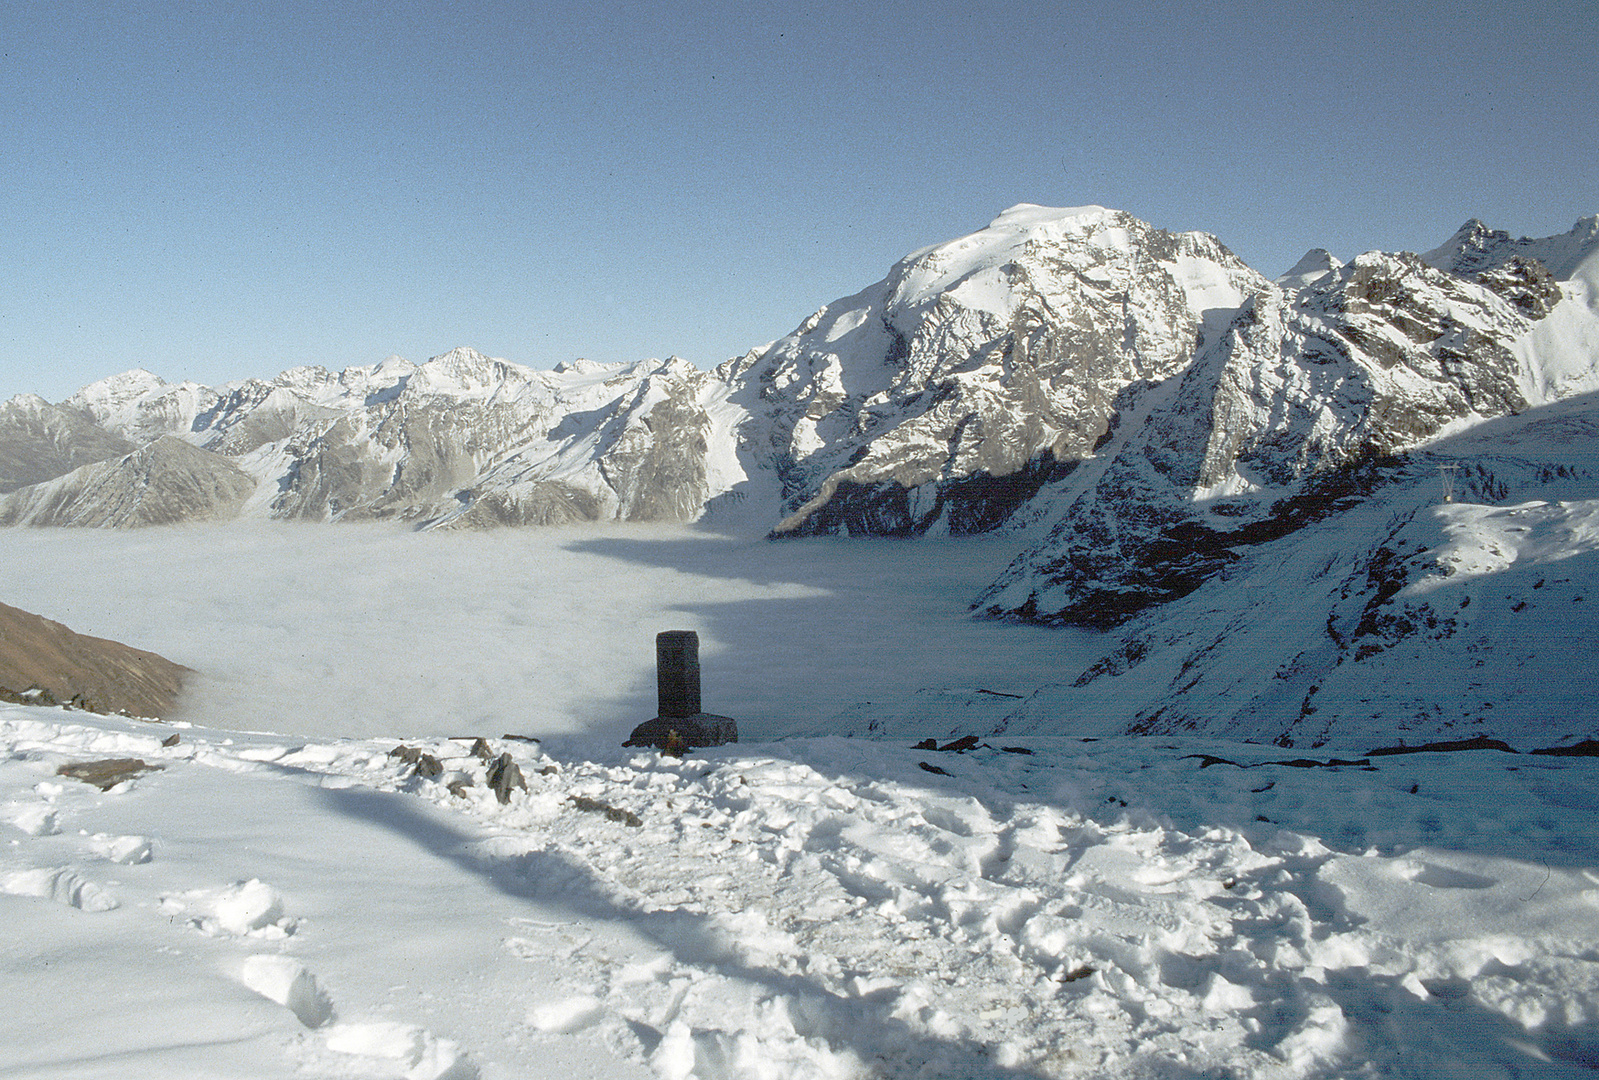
822	908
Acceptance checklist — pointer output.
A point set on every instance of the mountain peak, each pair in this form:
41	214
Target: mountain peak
461	354
1475	247
1031	215
1316	263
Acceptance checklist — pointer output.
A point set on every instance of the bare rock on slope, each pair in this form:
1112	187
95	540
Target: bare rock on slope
166	482
45	663
40	441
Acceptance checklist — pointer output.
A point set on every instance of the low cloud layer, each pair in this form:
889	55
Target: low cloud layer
368	630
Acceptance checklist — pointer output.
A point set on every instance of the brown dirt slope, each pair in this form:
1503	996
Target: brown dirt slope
44	663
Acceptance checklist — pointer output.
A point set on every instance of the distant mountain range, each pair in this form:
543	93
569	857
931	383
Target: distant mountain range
1140	410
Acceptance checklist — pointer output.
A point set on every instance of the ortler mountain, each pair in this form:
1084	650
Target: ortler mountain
1154	423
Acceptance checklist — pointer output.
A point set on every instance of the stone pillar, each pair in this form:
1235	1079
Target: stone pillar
681	722
677	673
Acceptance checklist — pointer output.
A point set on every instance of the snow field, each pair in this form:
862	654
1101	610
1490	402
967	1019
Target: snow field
812	908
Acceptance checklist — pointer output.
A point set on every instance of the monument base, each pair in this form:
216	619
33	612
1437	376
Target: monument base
701	729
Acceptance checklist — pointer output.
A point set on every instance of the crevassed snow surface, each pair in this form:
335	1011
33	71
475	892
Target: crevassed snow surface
265	906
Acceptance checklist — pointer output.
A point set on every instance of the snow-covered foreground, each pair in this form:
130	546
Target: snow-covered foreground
269	906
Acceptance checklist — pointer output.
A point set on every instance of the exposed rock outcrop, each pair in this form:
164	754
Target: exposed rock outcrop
44	663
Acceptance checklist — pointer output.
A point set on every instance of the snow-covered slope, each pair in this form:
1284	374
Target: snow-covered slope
40	441
947	395
1286	415
248	905
1390	613
163	483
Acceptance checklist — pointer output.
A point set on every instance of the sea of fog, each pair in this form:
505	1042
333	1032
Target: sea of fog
365	630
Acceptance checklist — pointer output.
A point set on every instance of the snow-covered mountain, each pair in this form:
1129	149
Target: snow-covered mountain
1144	414
40	441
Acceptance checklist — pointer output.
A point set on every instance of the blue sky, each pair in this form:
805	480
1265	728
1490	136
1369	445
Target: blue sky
219	190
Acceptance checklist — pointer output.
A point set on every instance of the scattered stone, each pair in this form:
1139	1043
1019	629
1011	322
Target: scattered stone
926	744
426	765
521	738
1016	750
933	769
480	746
505	775
458	786
612	813
108	773
960	745
170	740
1082	971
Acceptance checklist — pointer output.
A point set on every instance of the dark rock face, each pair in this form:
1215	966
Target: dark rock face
946	396
44	663
658	468
1476	249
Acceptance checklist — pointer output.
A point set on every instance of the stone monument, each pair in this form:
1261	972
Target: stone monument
680	720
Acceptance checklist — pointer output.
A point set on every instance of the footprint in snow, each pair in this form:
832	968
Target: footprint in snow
385	1048
62	884
1445	877
285	981
127	850
35	819
373	1048
566	1015
246	909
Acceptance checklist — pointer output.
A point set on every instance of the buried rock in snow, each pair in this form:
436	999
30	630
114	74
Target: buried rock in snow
108	773
680	721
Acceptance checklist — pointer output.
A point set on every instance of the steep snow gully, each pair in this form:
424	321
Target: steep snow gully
815	908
